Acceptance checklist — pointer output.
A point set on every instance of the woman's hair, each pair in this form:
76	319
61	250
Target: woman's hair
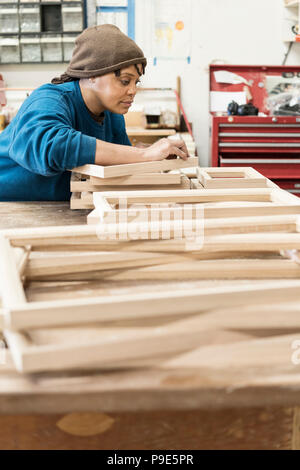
66	78
118	72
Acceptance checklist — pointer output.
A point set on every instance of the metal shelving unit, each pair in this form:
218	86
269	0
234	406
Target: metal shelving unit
39	31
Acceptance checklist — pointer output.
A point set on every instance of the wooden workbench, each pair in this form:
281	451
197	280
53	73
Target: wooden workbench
149	409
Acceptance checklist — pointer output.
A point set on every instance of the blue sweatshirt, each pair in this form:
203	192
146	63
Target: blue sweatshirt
53	132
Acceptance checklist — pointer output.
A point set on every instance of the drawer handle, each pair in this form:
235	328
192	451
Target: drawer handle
262	144
294	161
259	134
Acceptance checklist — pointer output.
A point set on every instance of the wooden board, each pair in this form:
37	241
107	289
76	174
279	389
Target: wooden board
132	305
212	269
82	186
145	226
106	347
61	263
136	180
192	196
214	230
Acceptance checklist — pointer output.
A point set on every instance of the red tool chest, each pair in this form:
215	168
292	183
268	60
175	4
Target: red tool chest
269	143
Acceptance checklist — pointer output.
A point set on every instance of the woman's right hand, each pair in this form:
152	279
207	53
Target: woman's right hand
164	148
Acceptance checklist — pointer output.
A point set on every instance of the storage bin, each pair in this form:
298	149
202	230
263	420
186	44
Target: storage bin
9	50
30	49
29	19
51	49
9	22
72	18
68	46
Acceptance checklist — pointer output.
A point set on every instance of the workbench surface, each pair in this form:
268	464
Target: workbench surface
197	404
39	214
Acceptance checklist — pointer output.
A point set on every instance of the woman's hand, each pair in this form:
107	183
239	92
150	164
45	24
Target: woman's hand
164	148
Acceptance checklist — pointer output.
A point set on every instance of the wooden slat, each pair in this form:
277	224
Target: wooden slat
66	348
12	293
192	196
95	309
268	353
88	235
82	186
56	265
219	209
213	269
139	179
253	241
186	225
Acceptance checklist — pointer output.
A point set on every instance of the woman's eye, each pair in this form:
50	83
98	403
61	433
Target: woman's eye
125	82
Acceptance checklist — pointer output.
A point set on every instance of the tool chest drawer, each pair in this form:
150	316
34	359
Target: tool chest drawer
272	148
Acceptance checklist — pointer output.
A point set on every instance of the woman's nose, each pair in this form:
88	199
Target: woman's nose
132	89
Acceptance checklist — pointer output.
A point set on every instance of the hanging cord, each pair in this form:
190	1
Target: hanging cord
287	52
183	114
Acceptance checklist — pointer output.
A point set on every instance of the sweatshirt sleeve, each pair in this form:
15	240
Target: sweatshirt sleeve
119	130
44	141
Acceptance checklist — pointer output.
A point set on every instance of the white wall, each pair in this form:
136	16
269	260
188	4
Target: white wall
231	31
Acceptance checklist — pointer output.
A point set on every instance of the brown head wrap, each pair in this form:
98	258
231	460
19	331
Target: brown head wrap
100	50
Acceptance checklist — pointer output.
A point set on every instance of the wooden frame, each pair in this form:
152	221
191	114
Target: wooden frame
241	202
113	346
19	314
197	196
244	177
135	168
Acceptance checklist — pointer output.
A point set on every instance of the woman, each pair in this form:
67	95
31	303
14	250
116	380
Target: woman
76	120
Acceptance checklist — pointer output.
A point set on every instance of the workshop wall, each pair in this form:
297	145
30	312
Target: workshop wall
231	31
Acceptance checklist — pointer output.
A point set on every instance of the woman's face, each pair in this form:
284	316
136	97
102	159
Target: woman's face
116	94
